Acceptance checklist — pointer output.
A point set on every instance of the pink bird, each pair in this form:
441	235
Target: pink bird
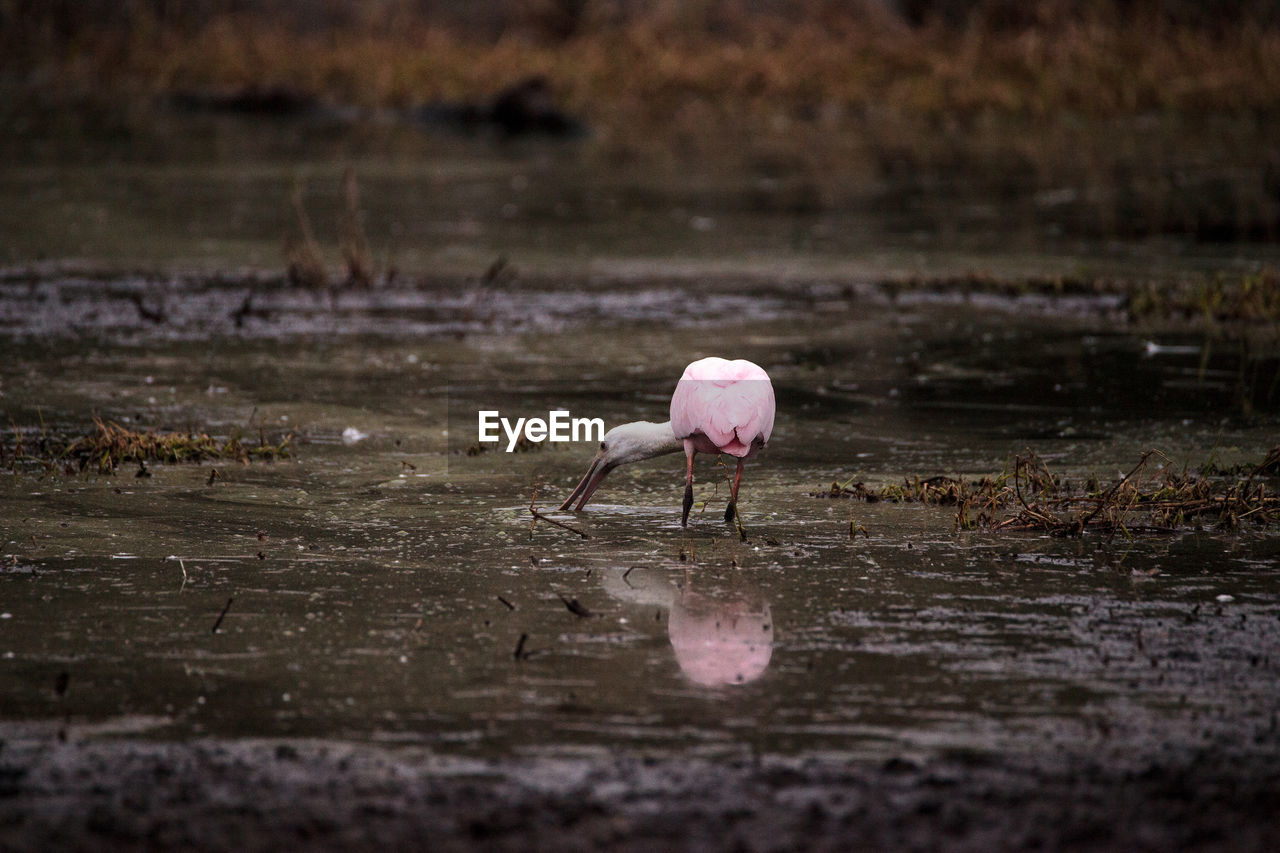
719	406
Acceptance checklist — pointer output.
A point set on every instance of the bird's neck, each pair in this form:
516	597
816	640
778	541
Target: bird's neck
654	439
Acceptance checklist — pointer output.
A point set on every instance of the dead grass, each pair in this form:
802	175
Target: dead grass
522	445
682	68
109	445
1127	125
304	258
1209	301
1223	298
1029	497
304	262
351	238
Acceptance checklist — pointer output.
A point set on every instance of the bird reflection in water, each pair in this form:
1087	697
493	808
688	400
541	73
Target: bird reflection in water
721	637
720	640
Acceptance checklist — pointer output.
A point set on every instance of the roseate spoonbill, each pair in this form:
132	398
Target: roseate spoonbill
719	406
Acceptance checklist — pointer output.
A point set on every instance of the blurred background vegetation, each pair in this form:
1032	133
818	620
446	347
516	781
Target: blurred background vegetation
1099	118
629	62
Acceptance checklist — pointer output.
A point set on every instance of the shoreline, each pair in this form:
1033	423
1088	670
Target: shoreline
263	794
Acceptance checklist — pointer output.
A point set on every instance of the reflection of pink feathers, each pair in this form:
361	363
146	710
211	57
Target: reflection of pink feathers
720	642
729	402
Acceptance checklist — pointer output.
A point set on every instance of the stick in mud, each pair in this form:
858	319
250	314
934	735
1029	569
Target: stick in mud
574	606
222	616
1084	522
537	516
737	520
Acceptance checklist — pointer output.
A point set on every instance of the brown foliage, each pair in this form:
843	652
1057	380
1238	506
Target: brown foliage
662	62
1031	497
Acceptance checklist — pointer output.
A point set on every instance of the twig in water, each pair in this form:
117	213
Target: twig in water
222	615
540	517
151	315
574	606
1084	522
737	520
854	529
519	652
245	310
1272	460
510	606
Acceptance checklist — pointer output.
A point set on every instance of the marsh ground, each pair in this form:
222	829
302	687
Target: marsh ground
368	642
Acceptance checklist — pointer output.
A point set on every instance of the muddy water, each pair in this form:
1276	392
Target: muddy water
158	190
388	588
392	589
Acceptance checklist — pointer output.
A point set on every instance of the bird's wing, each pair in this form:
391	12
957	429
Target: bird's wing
731	403
688	404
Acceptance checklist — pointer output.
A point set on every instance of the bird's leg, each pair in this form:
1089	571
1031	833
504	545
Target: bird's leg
688	482
732	508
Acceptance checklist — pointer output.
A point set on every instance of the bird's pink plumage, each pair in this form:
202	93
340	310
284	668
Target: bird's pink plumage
729	402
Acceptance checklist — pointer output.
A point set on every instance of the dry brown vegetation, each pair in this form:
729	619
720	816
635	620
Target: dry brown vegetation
304	257
1106	119
1206	302
1029	496
1221	299
677	65
109	445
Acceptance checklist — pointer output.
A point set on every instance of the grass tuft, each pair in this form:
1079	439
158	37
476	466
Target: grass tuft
1030	497
110	445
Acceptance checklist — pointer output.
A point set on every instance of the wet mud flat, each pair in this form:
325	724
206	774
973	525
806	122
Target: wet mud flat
367	643
256	795
141	308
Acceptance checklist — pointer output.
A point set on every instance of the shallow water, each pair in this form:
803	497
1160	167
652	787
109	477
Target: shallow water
380	590
1151	196
392	589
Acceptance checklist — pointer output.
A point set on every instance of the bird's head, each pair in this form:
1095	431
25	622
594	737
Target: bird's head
622	445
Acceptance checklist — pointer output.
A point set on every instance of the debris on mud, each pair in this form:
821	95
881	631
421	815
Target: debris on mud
574	606
540	516
1231	299
1031	497
109	445
366	298
522	445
